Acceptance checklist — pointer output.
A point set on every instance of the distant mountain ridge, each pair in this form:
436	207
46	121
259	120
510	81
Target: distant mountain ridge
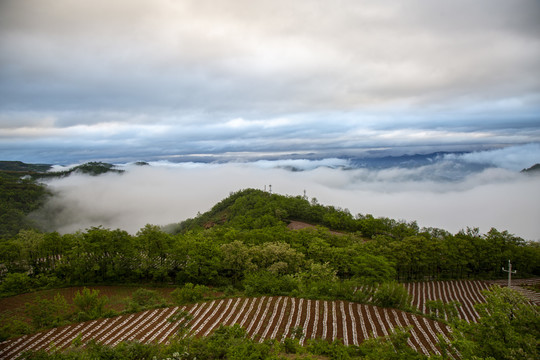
533	169
39	171
407	161
90	168
347	163
21	166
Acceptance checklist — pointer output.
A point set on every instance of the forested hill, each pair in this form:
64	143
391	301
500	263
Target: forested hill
244	241
18	197
23	167
21	193
39	171
255	216
90	168
256	209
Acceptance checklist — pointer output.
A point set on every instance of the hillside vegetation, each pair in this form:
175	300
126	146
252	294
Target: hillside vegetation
21	193
243	246
18	197
243	241
90	168
23	167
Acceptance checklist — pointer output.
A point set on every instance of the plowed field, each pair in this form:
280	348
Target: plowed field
263	318
467	292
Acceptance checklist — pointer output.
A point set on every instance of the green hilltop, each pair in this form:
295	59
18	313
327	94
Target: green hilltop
255	209
90	168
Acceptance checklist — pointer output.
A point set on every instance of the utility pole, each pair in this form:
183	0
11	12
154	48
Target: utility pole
510	272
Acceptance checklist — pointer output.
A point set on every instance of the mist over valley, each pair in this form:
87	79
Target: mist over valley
451	191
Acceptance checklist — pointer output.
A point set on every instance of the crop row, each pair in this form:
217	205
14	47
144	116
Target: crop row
467	292
263	318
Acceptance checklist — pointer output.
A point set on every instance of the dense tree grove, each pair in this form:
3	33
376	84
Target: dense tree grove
18	197
508	328
244	242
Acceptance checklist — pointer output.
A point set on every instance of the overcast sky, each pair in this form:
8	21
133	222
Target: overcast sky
163	80
139	79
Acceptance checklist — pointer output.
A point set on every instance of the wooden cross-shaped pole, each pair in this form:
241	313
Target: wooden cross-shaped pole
510	272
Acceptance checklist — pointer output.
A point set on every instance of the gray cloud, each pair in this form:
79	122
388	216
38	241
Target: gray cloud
170	77
292	56
40	140
512	158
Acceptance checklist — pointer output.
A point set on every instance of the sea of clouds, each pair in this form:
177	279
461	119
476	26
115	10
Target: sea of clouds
496	194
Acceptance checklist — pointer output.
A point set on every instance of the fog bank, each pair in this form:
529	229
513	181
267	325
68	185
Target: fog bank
165	193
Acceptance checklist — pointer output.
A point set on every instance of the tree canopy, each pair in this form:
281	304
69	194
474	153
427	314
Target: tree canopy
246	236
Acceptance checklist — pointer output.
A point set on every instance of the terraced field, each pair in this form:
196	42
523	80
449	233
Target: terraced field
467	292
263	318
527	287
273	318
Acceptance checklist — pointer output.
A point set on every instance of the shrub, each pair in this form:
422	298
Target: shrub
291	346
189	293
229	290
334	350
47	313
143	299
392	295
43	281
89	304
391	347
508	328
12	327
15	283
266	283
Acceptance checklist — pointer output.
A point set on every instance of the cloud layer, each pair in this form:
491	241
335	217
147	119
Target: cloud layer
154	79
512	158
166	192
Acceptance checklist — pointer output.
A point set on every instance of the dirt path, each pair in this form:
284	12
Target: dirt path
299	225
